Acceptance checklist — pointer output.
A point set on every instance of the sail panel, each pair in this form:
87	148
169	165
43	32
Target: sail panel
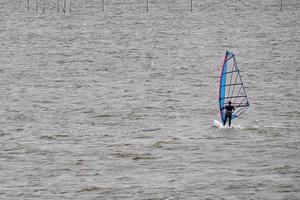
231	87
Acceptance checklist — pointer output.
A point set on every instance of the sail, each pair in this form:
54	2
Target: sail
231	88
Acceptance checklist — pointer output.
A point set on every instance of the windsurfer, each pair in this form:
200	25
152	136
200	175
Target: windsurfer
228	113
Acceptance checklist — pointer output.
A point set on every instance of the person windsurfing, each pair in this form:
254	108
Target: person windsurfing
228	113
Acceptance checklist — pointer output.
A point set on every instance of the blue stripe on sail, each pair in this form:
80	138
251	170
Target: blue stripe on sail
222	93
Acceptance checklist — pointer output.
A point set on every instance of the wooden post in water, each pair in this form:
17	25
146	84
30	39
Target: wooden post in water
280	5
36	5
28	5
70	5
57	5
65	3
103	5
191	5
236	5
147	5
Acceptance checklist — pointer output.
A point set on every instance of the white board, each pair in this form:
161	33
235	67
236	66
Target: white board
219	125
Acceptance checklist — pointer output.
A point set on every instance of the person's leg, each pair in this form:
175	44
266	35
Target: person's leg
225	119
230	120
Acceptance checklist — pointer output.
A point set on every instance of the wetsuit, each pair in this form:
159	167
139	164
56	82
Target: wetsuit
228	114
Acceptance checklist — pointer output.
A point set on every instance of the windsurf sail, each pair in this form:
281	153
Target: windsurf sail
232	88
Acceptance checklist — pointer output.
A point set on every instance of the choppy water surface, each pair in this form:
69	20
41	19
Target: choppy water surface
120	104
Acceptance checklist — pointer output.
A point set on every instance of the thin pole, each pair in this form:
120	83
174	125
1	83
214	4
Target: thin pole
147	6
70	5
36	5
57	5
103	5
281	5
235	5
65	2
191	5
28	5
43	7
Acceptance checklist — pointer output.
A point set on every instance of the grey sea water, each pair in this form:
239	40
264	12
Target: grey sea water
120	104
